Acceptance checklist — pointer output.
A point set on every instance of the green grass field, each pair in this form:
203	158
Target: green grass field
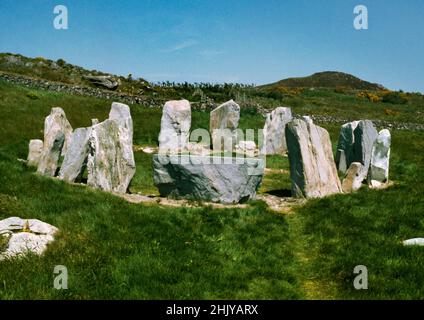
115	249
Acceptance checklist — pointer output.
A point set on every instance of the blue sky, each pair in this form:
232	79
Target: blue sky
249	41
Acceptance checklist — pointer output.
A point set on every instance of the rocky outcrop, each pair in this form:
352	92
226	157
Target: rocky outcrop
34	154
380	157
223	126
312	168
107	82
76	158
208	178
274	131
25	236
175	127
111	164
57	133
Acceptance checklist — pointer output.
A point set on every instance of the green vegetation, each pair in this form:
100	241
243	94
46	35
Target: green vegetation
114	249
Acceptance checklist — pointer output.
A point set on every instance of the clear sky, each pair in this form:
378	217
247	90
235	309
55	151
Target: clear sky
249	41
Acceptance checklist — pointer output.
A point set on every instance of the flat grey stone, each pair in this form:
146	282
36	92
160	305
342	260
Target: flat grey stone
208	178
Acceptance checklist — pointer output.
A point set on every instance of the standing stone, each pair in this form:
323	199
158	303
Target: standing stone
111	164
344	154
121	113
312	168
34	154
76	158
379	168
274	131
353	179
247	148
175	126
223	126
364	136
57	131
308	119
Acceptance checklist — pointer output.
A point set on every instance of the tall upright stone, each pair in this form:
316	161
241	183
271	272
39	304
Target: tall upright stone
344	154
57	132
175	127
365	135
76	158
274	131
223	126
122	113
312	168
35	150
380	157
110	163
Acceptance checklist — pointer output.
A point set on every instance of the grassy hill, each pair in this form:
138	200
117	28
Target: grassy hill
115	249
327	79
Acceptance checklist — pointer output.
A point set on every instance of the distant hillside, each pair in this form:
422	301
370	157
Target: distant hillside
326	79
61	71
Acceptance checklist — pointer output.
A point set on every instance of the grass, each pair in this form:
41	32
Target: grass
114	249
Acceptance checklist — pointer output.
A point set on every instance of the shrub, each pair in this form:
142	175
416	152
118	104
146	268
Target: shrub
395	98
340	89
33	95
374	98
390	112
61	62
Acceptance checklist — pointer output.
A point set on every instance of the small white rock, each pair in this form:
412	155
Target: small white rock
414	242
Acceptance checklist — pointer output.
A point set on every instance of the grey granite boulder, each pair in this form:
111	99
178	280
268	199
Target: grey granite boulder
25	236
34	153
208	178
175	127
76	158
380	157
274	131
223	126
57	133
312	168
